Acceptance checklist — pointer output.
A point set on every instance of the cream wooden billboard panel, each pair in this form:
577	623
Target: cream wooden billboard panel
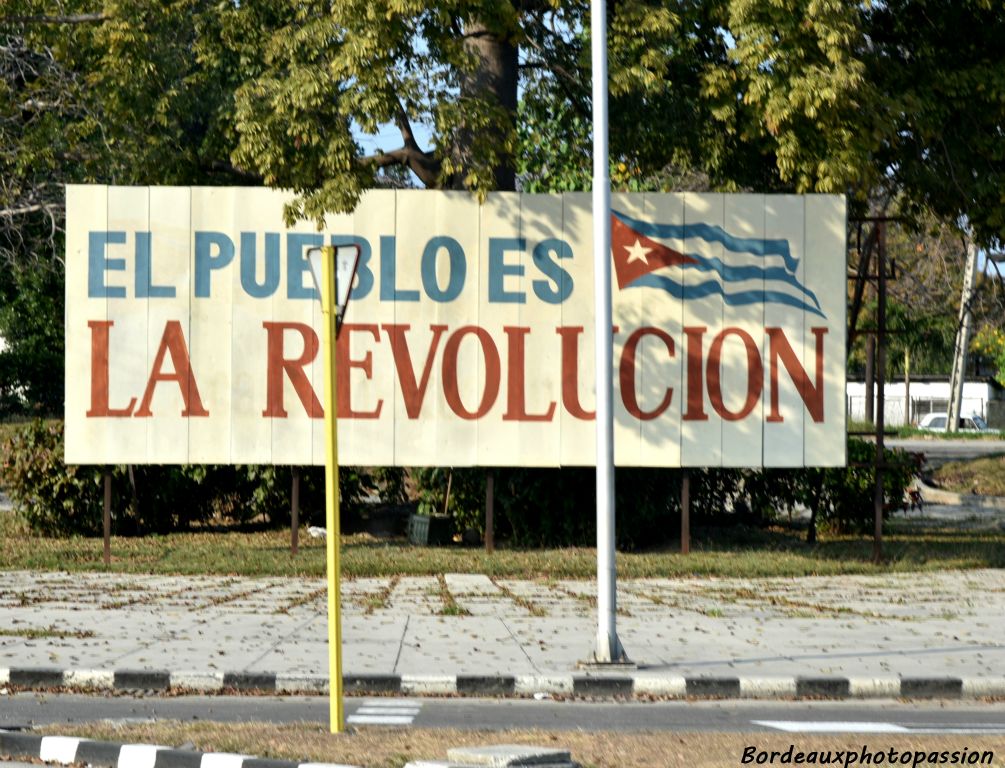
251	441
169	226
701	438
433	433
784	219
131	348
87	208
372	395
499	219
579	434
293	304
211	340
351	430
661	368
511	227
539	439
628	314
204	263
742	438
826	227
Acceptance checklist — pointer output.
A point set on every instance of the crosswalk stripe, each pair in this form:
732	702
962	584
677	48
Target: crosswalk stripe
381	719
385	712
809	726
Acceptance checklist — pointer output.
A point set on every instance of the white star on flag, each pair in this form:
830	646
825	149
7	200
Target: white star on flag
637	252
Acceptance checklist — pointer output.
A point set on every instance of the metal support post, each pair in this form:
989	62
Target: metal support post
106	518
608	647
295	512
333	533
685	512
490	505
879	495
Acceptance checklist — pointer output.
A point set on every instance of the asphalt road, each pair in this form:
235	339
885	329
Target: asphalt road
882	716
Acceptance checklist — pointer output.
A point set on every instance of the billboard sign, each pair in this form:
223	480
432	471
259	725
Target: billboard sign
192	329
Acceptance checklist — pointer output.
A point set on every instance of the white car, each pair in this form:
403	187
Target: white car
936	422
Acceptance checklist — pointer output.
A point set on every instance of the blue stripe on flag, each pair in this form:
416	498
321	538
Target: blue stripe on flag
710	287
749	272
715	234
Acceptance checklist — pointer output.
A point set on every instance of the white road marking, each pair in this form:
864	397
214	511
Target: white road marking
388	711
809	726
385	712
380	719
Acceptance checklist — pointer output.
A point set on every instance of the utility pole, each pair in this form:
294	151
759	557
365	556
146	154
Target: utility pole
966	322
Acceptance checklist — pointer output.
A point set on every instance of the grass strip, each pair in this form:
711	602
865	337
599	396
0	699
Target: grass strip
733	553
39	633
450	606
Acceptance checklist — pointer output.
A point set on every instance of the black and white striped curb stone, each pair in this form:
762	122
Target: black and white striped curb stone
500	756
102	754
579	685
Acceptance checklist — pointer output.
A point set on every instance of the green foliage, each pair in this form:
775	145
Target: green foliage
799	65
943	91
844	497
59	499
31	324
898	96
556	507
55	499
989	343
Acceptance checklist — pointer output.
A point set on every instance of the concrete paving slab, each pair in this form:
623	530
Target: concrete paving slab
461	646
468	584
855	627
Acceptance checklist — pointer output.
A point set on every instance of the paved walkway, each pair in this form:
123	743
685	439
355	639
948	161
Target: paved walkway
948	624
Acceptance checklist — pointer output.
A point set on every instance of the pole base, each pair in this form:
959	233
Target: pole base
622	663
609	654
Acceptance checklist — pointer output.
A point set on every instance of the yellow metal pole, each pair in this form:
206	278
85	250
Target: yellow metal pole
336	715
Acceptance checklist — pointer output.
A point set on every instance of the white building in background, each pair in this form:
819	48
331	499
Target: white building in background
926	397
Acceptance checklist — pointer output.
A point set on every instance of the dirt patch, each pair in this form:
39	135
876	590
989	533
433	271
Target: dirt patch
984	476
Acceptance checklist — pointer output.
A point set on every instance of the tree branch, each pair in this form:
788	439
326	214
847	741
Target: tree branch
79	18
10	213
218	166
422	164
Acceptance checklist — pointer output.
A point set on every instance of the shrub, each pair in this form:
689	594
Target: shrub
57	499
843	497
54	499
556	507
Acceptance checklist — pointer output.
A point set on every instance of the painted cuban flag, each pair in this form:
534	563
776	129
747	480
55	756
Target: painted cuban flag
751	270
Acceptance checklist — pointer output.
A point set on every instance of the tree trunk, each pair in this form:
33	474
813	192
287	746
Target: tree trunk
494	78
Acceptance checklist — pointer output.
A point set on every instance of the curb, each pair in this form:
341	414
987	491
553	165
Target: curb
582	685
103	754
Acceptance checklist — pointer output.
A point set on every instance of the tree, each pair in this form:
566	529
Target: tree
330	68
879	100
107	93
905	98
